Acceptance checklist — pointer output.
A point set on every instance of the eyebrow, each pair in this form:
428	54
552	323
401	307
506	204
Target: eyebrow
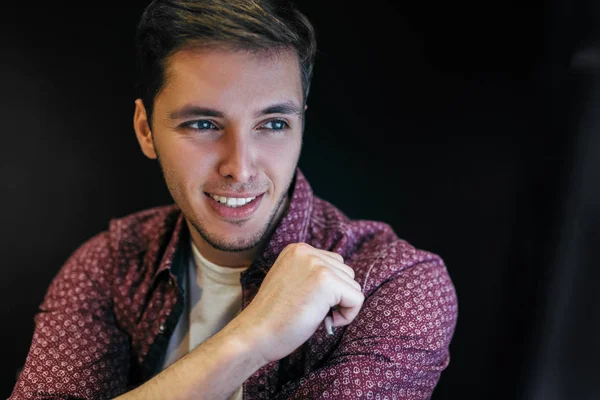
287	108
192	111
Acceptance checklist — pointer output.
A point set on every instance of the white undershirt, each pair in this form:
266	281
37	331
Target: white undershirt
213	298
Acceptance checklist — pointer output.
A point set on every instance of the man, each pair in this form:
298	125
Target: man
224	294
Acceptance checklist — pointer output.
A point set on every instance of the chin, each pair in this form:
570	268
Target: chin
238	244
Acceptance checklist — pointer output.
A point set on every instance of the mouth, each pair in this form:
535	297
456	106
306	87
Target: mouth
234	207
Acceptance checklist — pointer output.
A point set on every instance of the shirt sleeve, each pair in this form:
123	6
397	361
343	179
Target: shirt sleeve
397	346
77	350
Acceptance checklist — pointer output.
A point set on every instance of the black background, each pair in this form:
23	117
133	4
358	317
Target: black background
458	123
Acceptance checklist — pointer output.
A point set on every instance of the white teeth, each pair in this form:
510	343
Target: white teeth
232	201
220	199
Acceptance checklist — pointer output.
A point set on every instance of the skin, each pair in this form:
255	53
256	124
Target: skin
247	148
241	150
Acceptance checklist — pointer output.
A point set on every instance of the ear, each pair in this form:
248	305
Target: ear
142	130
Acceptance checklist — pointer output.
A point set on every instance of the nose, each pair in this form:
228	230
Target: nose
238	159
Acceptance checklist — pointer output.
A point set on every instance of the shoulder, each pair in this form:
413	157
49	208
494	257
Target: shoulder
131	234
139	231
410	299
332	230
374	250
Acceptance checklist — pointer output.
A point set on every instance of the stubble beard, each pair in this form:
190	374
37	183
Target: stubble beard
240	244
246	243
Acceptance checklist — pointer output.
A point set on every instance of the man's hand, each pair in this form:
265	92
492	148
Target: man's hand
294	298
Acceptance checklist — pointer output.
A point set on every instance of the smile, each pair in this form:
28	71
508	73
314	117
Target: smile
234	208
232	202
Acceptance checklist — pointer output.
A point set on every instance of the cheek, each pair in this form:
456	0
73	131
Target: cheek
281	153
280	164
187	163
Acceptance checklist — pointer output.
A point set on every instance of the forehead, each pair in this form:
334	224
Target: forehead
228	78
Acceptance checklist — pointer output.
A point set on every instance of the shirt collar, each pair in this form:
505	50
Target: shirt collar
173	254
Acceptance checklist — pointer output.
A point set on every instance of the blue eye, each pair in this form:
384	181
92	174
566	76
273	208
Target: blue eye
201	125
276	125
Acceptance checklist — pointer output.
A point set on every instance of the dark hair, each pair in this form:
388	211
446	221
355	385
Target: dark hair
167	26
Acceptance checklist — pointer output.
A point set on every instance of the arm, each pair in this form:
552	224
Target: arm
397	346
212	370
295	296
77	350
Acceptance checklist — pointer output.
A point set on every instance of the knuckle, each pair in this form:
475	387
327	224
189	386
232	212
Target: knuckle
323	275
299	248
315	261
336	255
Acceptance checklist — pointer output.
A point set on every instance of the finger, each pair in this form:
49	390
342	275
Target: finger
332	254
336	263
343	276
349	305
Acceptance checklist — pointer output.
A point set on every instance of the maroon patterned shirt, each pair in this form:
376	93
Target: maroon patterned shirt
105	322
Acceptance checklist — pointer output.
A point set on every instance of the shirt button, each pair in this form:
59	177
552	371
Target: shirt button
162	328
170	282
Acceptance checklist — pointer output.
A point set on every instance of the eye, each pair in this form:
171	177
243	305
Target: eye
276	125
200	125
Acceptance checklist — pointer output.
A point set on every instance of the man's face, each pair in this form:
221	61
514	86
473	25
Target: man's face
229	124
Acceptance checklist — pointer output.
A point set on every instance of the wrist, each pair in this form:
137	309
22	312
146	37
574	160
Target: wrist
212	370
244	342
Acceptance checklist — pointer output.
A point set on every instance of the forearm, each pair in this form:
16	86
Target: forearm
213	370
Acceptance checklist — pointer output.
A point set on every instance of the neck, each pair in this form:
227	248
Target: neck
237	259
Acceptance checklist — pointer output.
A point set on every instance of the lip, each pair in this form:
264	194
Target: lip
241	212
238	195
